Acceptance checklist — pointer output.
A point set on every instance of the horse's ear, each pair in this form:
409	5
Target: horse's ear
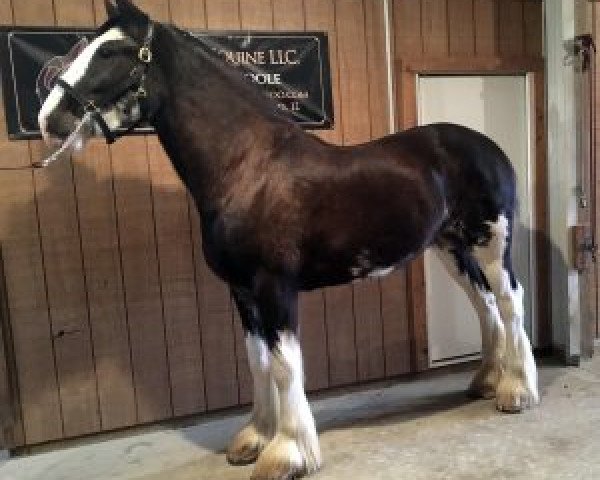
122	7
112	9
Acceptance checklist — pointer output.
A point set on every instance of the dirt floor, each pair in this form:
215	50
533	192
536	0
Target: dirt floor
415	429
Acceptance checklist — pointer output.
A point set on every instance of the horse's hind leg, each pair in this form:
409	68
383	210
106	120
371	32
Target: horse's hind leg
294	450
466	272
517	388
250	441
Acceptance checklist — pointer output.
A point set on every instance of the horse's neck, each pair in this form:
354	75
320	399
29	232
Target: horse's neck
209	122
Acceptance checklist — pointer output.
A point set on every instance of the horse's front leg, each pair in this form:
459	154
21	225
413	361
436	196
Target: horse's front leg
250	441
294	450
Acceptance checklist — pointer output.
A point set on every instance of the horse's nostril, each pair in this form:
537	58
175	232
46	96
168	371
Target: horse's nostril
60	126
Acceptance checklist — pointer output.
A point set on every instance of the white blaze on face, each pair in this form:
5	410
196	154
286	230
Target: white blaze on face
74	74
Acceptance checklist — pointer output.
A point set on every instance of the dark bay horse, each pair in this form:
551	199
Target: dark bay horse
283	211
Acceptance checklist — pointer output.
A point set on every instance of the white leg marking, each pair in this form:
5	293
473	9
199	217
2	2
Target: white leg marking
492	329
295	449
518	384
251	440
74	74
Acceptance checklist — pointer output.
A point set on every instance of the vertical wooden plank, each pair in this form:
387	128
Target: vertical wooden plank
540	187
26	295
533	19
434	25
188	14
510	28
6	15
394	311
408	42
486	27
102	264
141	279
74	13
461	27
417	314
407	28
376	66
320	15
216	314
178	284
256	14
288	15
27	301
223	14
99	12
176	272
11	420
156	9
67	302
354	81
341	341
33	12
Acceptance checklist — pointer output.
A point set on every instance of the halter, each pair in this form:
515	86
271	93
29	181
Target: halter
138	75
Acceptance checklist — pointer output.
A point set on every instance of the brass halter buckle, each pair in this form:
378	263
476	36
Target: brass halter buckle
145	55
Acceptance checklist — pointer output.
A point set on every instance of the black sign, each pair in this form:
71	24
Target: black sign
291	67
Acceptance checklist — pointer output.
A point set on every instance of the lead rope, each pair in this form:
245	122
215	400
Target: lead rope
67	145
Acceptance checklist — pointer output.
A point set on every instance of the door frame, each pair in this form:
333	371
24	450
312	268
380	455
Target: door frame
408	71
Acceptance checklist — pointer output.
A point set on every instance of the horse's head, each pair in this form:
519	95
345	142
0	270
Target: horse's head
107	79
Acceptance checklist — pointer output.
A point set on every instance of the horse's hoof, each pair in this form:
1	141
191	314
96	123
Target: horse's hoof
485	382
246	447
513	397
282	460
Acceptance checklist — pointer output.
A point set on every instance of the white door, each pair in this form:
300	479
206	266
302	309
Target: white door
497	106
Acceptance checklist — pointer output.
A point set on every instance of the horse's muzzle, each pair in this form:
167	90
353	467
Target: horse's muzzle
57	126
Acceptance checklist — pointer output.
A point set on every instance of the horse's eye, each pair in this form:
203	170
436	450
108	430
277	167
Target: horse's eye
105	52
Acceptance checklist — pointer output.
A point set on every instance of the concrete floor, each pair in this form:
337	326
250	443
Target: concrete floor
417	429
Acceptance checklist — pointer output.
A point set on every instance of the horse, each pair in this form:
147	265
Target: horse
283	211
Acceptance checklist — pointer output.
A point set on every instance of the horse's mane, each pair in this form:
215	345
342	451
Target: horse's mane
250	92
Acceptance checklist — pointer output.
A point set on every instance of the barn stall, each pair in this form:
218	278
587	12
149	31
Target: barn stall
111	316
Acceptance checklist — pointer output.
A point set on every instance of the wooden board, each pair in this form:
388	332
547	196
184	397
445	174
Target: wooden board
461	27
510	28
434	27
407	28
137	244
104	281
486	27
178	283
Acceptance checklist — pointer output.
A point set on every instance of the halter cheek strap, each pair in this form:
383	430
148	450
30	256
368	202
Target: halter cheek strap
144	58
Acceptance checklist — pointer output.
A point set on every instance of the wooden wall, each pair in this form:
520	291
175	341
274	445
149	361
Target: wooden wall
115	318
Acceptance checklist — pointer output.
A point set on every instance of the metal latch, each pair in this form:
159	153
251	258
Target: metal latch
584	247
